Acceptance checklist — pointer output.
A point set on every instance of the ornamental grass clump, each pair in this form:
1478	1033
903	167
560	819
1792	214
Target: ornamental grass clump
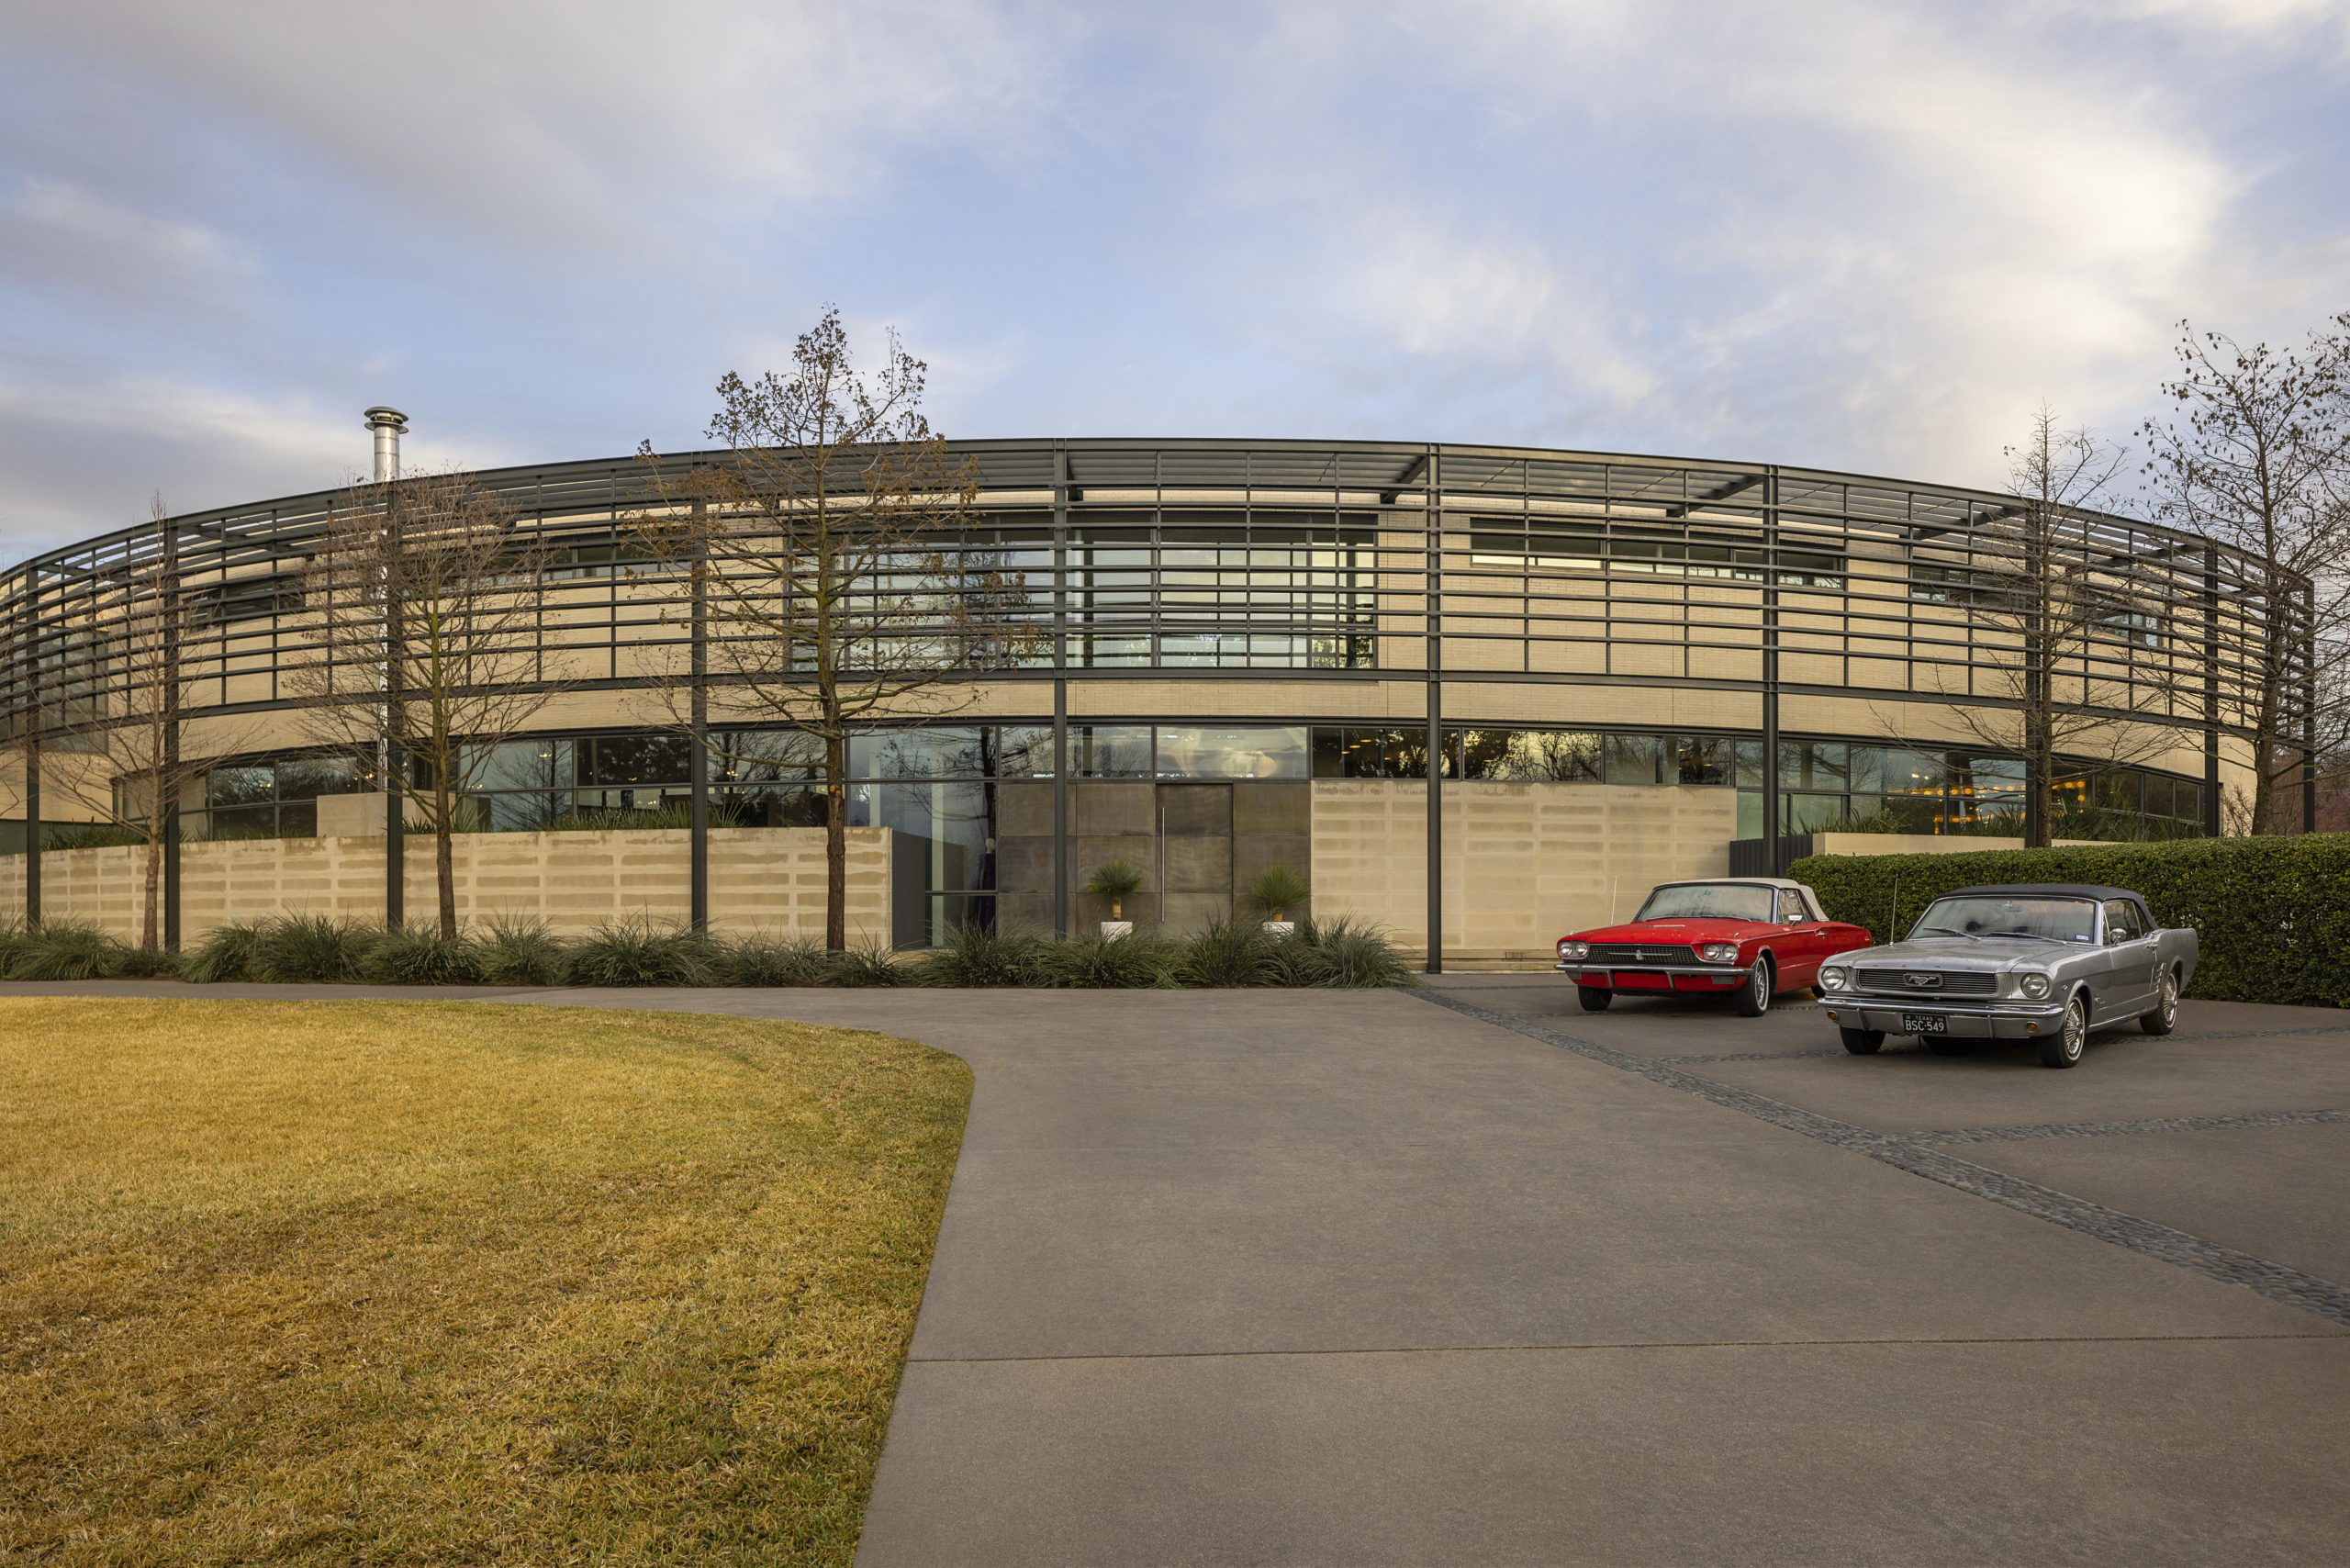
148	963
306	950
420	955
978	955
1348	952
636	951
764	961
1225	953
865	963
1136	962
226	954
519	952
63	950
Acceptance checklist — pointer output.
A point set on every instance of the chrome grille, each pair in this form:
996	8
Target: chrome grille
1943	982
1640	953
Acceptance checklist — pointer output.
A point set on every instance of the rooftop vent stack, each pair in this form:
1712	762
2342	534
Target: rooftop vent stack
389	425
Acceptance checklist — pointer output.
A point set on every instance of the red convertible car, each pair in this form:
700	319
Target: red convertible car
1749	938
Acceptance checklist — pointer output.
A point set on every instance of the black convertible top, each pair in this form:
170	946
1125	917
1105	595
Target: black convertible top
2052	889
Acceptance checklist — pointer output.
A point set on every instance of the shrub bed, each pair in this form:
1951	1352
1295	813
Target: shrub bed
2273	914
316	949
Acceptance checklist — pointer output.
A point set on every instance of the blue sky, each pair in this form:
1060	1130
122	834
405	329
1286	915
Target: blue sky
1867	236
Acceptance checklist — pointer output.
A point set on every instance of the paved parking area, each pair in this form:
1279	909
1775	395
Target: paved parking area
1474	1277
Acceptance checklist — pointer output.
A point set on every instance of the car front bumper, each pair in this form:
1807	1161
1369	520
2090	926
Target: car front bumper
1684	977
1993	1020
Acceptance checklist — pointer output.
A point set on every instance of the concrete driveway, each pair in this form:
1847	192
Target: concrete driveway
1346	1278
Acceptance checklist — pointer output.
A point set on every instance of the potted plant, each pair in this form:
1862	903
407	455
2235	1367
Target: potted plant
1113	881
1275	889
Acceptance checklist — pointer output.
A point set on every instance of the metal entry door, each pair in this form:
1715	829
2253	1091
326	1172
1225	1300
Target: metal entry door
1194	855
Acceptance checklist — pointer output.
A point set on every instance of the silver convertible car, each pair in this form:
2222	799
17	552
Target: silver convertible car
2046	961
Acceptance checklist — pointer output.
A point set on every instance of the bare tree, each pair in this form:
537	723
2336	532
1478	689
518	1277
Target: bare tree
122	696
2065	624
2257	458
420	646
829	546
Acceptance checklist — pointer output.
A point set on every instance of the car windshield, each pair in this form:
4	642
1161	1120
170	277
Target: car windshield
2048	919
1708	901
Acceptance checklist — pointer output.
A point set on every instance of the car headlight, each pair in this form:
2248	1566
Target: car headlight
1835	980
2033	986
1717	952
1574	951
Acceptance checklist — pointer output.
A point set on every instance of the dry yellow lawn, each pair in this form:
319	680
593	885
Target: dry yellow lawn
353	1281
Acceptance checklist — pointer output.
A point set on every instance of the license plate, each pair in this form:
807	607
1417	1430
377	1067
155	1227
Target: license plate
1924	1023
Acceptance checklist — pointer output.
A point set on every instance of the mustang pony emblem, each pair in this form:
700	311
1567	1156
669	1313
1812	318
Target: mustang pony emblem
1922	982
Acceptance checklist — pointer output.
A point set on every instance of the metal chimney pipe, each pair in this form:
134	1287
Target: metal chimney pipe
389	425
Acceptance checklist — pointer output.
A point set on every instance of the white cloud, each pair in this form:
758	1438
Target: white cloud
82	459
1858	232
57	236
586	120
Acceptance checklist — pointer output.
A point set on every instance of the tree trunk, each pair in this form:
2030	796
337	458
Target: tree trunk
146	937
835	845
444	862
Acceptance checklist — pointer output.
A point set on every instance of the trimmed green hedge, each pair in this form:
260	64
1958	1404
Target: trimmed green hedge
2273	914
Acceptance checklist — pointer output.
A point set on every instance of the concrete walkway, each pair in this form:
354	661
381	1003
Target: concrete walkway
1344	1278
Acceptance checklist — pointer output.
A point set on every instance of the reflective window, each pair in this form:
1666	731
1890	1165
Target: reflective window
1106	751
943	753
1231	754
1635	759
634	759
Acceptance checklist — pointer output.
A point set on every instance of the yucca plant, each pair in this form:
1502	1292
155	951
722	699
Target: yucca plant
419	955
226	954
637	951
978	955
303	950
1277	890
519	952
1115	881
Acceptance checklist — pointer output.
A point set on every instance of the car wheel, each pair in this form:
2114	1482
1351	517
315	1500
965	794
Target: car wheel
2064	1048
1863	1042
2165	1018
1754	996
1595	997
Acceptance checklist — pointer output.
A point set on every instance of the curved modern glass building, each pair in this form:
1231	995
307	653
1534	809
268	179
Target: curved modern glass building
1247	654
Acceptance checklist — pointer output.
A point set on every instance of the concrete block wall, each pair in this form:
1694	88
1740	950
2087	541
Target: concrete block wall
767	880
1524	863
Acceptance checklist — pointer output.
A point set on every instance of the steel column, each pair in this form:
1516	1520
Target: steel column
2214	821
698	764
174	651
1771	827
1432	622
32	820
394	754
1060	691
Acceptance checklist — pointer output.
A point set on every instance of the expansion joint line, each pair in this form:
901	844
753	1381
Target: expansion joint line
1909	1152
